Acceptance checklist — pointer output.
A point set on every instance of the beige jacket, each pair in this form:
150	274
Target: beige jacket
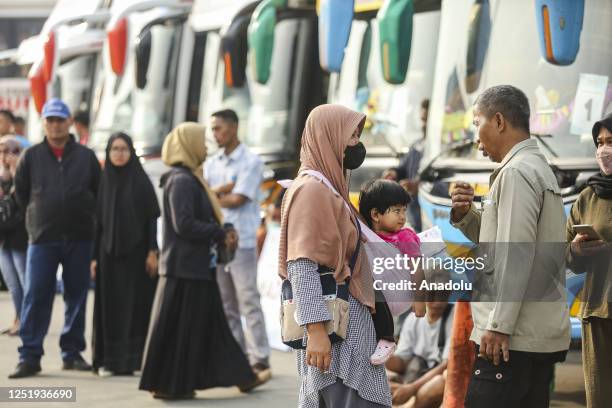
523	215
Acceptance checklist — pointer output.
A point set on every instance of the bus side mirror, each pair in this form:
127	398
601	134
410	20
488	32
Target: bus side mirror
38	85
234	49
395	33
559	28
143	56
335	19
50	56
261	39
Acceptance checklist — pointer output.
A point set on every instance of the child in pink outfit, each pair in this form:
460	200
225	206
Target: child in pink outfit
406	240
383	204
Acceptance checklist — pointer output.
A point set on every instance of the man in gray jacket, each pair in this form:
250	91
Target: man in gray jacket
520	330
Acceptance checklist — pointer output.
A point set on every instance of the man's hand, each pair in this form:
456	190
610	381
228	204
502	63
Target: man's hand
318	347
92	269
410	185
390	174
232	200
581	246
224	189
462	198
492	344
403	393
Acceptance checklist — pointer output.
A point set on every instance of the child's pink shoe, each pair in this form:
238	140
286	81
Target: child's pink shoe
384	350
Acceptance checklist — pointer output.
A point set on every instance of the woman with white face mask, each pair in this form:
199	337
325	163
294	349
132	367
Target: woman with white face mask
13	235
592	254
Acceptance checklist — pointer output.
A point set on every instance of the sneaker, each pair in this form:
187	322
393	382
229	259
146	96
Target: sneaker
103	372
384	350
24	370
78	364
263	374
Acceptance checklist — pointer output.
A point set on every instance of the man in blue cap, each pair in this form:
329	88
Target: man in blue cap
56	182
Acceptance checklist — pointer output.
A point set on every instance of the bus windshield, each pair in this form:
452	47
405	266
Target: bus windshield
145	114
393	111
215	94
262	109
269	113
75	79
564	100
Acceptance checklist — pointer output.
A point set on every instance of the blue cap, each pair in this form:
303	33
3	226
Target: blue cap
56	108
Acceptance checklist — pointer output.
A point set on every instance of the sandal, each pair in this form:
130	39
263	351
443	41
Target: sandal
384	350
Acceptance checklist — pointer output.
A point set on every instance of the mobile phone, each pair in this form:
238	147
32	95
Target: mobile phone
588	230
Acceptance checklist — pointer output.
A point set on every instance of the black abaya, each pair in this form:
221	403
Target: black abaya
191	346
126	231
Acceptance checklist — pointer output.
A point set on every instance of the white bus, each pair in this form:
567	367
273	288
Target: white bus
64	58
19	20
492	42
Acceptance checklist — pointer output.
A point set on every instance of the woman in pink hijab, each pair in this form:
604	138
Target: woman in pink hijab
319	229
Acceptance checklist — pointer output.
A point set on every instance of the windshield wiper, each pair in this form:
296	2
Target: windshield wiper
540	138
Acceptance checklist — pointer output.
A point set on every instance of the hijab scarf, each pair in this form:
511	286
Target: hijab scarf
186	146
314	221
126	202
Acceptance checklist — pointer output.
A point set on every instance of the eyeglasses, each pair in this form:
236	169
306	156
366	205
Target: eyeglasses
120	150
7	151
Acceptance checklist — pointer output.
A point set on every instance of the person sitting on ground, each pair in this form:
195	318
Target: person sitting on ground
422	355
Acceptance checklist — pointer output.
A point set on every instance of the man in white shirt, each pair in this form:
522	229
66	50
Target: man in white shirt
235	174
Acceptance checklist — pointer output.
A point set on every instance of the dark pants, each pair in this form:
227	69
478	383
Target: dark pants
523	382
383	319
42	263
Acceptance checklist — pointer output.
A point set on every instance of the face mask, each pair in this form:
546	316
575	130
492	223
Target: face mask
354	156
604	159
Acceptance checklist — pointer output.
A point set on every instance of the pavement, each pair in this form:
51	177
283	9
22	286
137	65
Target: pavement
281	392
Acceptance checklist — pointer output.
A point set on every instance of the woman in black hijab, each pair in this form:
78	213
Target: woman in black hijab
125	260
593	255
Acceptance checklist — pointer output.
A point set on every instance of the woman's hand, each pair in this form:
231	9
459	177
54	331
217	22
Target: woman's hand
151	264
92	269
231	239
318	348
581	246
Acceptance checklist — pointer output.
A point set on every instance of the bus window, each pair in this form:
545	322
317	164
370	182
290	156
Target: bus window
478	42
195	80
364	58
